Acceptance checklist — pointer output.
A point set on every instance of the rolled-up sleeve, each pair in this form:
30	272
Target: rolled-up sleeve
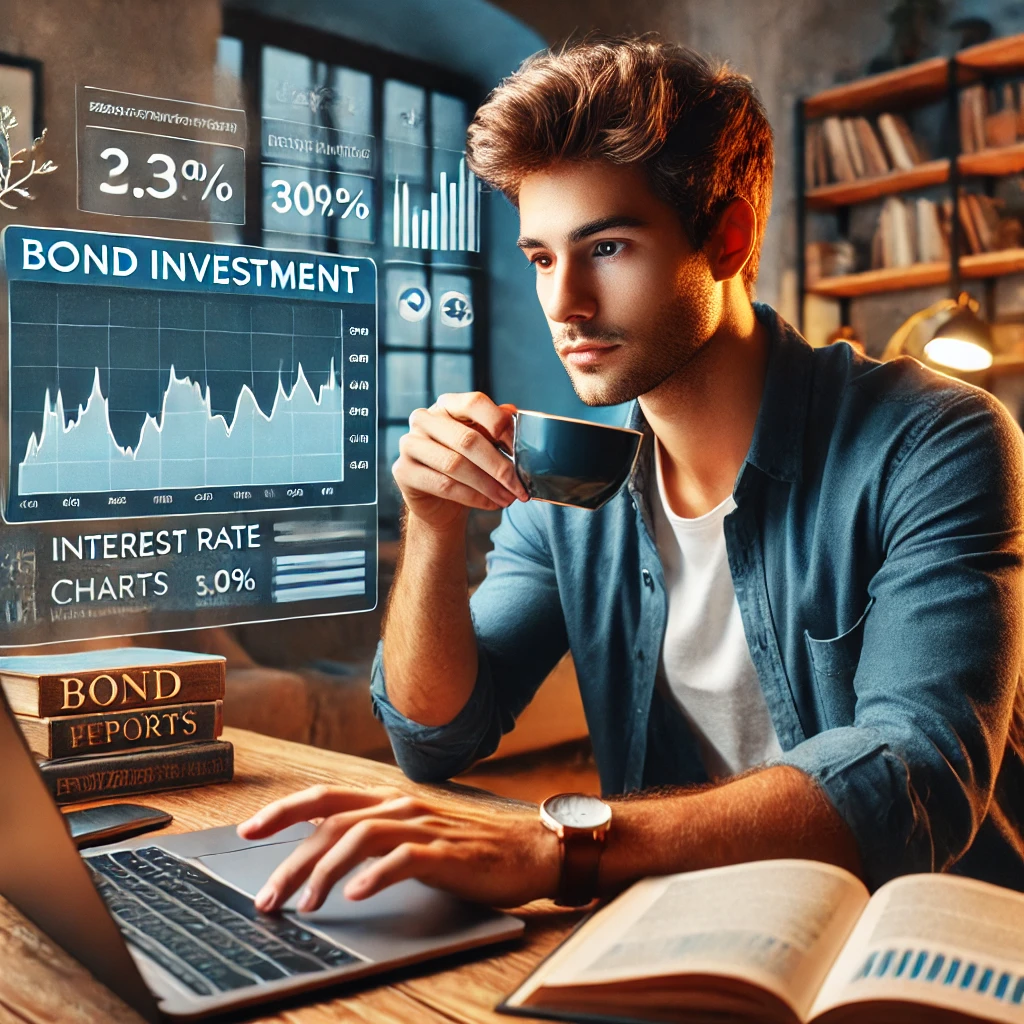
521	634
940	663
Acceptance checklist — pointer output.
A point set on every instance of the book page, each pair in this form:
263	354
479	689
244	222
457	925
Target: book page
935	939
779	924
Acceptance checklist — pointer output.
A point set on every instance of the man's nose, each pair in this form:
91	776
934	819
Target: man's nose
569	297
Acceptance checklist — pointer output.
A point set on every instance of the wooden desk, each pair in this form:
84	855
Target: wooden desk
40	983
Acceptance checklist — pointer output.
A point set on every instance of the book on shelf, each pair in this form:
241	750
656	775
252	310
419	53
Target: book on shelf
811	134
857	159
842	149
829	259
894	242
973	111
88	682
900	145
140	771
932	243
983	227
115	732
788	942
820	157
839	159
874	154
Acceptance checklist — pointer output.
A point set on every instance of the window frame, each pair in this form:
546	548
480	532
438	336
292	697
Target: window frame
255	31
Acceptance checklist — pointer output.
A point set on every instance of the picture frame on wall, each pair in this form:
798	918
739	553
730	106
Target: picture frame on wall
21	89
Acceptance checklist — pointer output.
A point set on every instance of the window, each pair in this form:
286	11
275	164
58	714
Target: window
356	150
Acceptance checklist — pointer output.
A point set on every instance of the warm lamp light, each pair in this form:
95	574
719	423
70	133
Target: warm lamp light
963	342
960	341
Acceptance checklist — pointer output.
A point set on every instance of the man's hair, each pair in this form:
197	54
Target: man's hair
696	127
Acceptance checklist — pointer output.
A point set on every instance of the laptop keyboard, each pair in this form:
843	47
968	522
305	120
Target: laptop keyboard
209	936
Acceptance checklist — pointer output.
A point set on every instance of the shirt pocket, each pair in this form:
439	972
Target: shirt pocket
833	666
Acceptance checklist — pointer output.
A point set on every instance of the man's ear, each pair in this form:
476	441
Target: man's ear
731	242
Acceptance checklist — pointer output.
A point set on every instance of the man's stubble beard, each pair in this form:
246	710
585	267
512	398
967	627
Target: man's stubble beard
656	349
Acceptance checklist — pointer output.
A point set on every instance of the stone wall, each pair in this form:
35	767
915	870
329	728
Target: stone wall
153	47
789	48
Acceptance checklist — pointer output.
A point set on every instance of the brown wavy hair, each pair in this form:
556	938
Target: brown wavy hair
697	127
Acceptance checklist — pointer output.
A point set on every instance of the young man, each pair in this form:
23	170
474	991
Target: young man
810	591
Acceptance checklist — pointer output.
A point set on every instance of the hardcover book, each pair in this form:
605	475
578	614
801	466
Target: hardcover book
789	942
143	771
114	732
54	685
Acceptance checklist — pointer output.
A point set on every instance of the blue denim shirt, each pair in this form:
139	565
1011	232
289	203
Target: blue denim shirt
877	555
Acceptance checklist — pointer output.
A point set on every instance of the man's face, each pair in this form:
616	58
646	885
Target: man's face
627	298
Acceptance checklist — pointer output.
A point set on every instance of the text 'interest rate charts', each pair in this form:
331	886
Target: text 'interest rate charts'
158	378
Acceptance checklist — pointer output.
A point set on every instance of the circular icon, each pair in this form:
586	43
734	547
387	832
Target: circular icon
456	310
413	303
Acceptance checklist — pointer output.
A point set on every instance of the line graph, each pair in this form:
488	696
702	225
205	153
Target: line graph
131	402
188	444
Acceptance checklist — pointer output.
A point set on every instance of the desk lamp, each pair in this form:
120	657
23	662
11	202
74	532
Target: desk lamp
957	338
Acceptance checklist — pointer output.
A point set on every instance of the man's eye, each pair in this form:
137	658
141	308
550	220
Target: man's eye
608	248
541	261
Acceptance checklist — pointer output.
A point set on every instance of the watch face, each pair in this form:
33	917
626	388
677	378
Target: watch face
577	810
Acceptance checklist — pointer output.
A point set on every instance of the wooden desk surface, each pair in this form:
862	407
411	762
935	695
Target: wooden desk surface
40	983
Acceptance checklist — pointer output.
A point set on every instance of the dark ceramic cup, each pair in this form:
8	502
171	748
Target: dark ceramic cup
572	462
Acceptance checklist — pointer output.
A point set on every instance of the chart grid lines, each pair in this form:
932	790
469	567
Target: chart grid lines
83	377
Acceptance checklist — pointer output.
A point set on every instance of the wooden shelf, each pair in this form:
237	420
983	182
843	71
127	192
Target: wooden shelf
1004	366
992	162
844	193
992	264
871	282
916	83
919	275
922	82
998	56
987	163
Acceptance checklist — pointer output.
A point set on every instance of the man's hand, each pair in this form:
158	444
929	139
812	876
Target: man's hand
504	858
448	462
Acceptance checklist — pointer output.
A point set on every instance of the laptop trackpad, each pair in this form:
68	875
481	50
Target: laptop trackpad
404	919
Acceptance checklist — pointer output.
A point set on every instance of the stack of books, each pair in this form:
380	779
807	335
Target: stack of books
918	230
991	118
910	231
117	722
848	148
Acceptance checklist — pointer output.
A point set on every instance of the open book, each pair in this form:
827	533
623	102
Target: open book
789	941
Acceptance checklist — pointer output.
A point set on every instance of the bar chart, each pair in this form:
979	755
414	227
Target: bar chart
448	220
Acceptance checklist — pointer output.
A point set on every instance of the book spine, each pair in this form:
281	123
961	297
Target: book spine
121	731
123	689
150	771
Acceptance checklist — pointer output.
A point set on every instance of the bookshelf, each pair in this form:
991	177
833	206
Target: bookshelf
938	79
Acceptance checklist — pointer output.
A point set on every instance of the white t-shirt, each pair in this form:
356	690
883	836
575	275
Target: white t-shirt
705	660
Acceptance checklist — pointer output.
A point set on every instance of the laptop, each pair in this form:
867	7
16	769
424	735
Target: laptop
168	922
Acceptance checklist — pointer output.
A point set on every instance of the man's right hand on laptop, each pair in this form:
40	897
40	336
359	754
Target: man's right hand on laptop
448	462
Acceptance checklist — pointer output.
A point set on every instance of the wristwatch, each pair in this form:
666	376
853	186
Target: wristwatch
581	823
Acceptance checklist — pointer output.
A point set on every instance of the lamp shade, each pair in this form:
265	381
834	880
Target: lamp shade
963	342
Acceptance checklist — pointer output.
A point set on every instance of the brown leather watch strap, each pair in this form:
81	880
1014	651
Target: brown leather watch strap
581	858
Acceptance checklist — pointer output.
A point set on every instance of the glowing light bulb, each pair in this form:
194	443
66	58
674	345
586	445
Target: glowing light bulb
958	354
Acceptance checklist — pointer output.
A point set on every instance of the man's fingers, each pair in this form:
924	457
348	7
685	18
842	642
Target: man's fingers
408	860
465	440
476	407
411	476
315	802
290	874
450	463
369	838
